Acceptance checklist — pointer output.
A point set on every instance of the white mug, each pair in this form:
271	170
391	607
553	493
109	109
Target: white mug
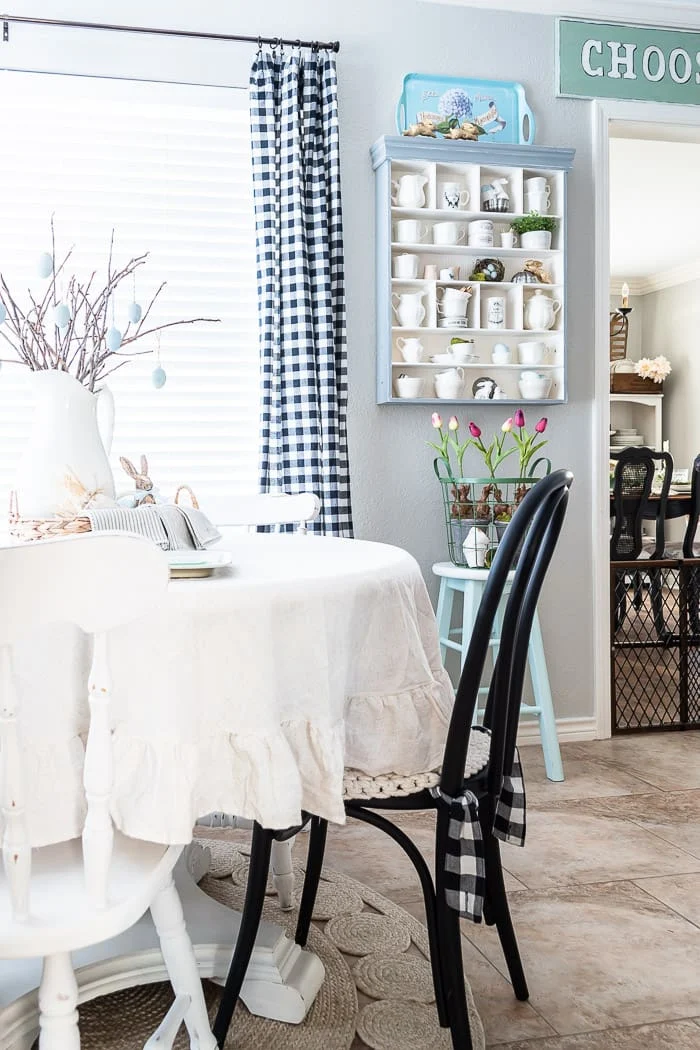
481	226
481	240
452	196
508	239
532	352
452	302
411	349
496	312
406	266
409	386
410	231
448	233
449	273
537	202
537	185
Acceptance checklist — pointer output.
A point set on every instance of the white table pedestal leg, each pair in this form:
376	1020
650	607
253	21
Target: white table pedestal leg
281	984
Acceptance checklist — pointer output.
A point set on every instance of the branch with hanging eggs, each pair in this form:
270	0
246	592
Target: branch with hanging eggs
70	328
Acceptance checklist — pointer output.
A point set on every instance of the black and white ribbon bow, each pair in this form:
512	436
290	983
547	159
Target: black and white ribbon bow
465	867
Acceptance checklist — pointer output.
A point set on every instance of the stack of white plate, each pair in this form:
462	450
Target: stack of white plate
623	438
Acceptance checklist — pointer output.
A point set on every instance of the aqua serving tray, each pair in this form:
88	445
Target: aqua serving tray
498	106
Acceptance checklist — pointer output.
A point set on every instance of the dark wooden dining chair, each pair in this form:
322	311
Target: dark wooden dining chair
690	549
632	490
480	761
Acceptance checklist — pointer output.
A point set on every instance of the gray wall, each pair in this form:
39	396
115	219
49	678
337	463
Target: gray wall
396	499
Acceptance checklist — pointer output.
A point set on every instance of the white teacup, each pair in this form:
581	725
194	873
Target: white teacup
409	386
410	231
537	184
460	353
452	302
448	233
452	196
411	349
507	239
449	273
406	266
531	352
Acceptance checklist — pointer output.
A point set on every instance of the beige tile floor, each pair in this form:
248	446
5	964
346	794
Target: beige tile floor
605	898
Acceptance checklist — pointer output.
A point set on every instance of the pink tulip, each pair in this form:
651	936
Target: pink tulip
474	430
436	420
541	425
519	418
453	423
508	425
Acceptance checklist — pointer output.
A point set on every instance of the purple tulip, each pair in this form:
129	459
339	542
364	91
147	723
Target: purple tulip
474	430
519	418
541	425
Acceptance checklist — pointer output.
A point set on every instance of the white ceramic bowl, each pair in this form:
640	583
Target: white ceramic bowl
534	385
409	386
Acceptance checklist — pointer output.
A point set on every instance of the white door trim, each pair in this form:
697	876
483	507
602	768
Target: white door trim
603	112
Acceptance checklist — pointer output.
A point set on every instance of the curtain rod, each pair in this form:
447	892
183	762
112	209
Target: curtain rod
275	41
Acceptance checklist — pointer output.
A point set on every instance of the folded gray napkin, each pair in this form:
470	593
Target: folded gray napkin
170	526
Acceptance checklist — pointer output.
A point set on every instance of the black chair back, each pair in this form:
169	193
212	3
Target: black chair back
536	525
692	526
634	477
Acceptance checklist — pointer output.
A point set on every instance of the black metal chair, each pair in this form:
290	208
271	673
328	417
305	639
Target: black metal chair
476	762
632	490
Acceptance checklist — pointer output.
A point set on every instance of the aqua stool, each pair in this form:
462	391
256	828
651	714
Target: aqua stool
471	583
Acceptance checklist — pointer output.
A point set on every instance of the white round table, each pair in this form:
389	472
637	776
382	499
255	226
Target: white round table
247	692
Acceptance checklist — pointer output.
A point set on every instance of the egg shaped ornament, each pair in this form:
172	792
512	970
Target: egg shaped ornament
113	339
3	313
61	315
44	264
134	313
158	377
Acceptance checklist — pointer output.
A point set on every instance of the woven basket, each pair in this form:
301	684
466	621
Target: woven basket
28	529
630	383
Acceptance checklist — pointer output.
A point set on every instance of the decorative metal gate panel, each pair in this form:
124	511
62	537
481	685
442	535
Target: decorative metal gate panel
655	643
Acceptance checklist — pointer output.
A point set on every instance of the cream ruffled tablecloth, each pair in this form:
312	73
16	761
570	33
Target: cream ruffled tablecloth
246	692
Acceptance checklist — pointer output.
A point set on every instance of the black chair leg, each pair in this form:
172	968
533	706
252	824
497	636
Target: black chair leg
498	905
314	865
657	604
250	920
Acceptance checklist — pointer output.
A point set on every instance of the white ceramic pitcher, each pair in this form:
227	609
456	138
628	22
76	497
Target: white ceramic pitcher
541	311
408	191
409	309
65	440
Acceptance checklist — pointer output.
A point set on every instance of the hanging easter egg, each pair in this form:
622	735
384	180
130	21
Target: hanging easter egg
134	312
44	264
3	313
113	339
158	377
61	315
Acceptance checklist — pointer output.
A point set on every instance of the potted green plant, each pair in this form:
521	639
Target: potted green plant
534	230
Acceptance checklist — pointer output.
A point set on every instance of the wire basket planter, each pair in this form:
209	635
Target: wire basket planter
477	513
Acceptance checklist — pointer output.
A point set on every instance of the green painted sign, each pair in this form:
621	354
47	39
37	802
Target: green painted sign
602	60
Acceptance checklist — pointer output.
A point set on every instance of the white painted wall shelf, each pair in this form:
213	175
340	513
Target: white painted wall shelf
471	165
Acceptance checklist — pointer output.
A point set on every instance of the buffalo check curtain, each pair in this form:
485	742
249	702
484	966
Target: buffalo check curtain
301	294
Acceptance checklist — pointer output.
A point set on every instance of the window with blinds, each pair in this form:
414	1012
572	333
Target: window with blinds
167	167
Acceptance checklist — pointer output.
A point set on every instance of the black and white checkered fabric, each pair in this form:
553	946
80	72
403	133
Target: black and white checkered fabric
465	872
301	290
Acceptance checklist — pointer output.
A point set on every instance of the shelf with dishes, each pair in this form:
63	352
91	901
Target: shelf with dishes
449	267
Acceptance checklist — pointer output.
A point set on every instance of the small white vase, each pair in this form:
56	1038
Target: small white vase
64	442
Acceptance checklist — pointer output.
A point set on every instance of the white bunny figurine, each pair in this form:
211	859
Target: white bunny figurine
145	491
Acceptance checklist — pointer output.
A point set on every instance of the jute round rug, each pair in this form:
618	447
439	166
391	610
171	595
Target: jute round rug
377	992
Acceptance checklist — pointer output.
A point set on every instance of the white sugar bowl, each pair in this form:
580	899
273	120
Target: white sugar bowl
534	385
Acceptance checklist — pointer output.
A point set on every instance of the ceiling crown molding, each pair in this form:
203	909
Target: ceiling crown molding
656	282
680	14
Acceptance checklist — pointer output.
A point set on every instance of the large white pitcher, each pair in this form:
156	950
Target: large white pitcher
65	440
409	309
408	191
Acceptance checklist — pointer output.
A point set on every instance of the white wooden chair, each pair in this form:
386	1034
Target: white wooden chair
57	899
253	510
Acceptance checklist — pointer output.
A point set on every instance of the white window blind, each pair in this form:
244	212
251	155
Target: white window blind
167	166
